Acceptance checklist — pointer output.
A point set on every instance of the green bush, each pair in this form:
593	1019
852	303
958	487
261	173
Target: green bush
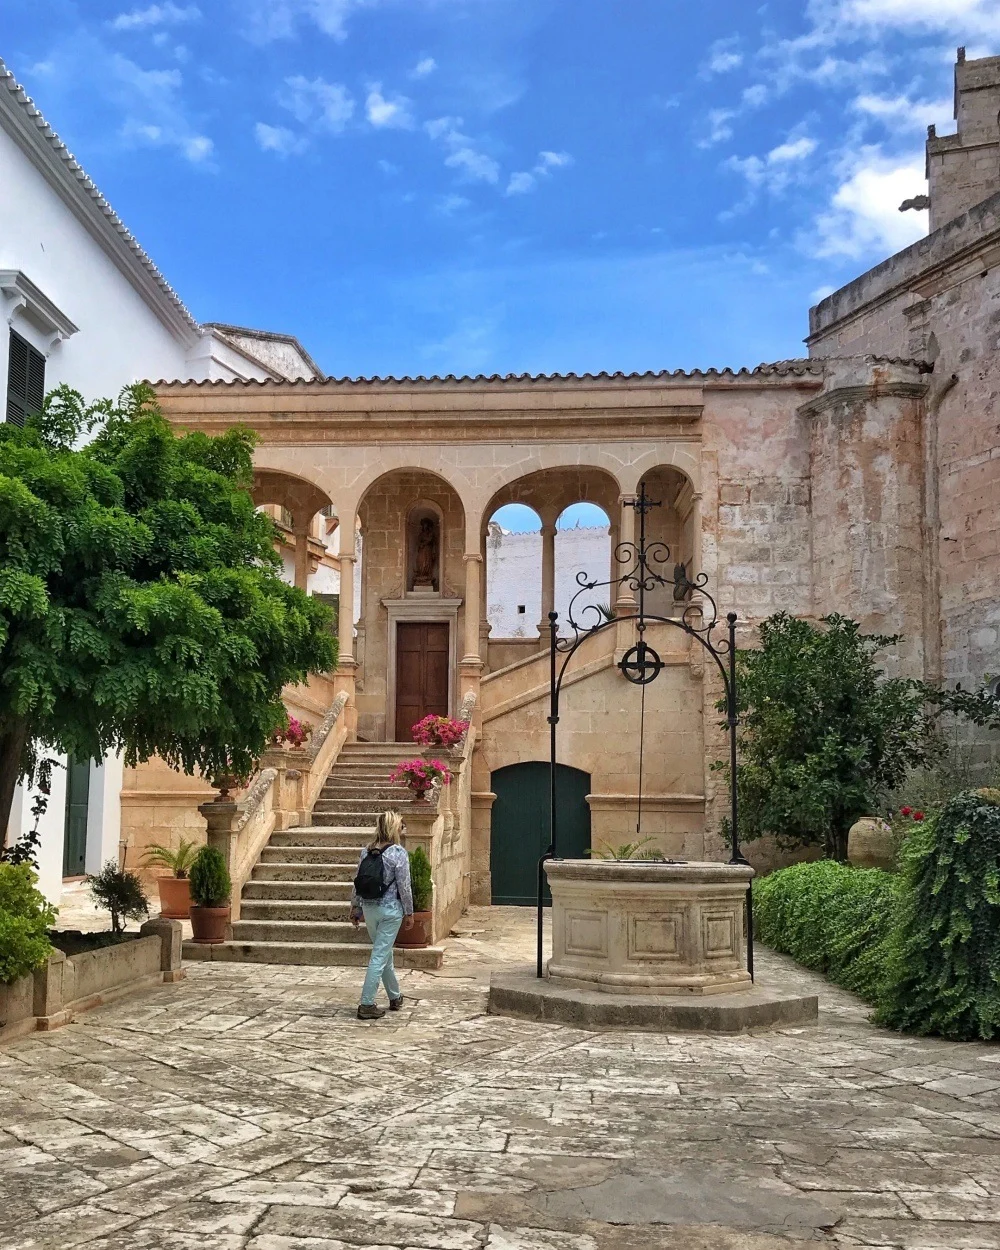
25	916
420	879
120	893
832	918
944	956
210	882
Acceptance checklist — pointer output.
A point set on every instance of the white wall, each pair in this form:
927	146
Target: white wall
120	340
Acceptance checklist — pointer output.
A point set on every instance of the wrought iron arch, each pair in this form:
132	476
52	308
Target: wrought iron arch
642	563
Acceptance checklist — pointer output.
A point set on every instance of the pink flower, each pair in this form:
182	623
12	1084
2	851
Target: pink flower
918	815
439	731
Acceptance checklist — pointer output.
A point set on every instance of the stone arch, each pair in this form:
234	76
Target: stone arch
676	524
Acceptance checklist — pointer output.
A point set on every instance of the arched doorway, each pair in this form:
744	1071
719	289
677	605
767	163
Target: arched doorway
519	830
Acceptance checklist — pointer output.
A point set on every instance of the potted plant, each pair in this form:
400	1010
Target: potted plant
295	735
211	890
421	931
420	775
174	888
439	731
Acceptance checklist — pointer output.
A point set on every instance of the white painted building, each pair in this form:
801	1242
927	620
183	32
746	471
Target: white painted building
84	305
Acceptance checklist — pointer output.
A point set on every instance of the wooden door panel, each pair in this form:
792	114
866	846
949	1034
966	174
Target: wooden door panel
422	667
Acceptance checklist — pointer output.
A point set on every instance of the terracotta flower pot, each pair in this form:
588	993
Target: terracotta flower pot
209	924
175	897
420	933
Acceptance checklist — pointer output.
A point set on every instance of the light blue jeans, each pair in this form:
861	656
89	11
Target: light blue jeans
382	918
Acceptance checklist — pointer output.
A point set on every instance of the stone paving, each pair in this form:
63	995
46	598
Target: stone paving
246	1109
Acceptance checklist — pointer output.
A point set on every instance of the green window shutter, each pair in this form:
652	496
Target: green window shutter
25	380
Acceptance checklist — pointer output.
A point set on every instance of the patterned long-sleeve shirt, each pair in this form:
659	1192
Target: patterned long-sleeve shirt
397	868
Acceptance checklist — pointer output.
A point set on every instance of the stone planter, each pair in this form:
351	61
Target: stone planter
870	844
635	927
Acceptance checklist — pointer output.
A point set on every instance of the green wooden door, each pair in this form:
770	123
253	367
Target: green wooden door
519	834
75	836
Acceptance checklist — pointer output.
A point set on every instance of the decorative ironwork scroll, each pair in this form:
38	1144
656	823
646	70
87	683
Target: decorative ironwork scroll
645	567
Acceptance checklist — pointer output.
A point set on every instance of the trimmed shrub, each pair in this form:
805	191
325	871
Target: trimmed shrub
210	882
830	917
25	915
944	956
120	893
420	879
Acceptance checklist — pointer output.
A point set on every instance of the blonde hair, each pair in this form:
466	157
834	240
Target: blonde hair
388	827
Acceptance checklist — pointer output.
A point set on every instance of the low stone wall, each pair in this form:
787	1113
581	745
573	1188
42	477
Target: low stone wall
69	984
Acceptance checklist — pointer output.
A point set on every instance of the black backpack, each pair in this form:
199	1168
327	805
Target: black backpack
371	882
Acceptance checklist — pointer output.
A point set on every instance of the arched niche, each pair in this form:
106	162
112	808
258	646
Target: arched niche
424	543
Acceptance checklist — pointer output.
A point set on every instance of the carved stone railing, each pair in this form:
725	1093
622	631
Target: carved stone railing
443	827
280	795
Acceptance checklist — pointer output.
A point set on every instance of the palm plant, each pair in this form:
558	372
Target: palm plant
178	862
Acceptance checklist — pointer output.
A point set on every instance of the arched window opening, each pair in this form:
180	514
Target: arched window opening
583	546
513	572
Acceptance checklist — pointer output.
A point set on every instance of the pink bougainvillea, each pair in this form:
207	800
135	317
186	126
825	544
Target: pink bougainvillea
420	774
439	731
294	736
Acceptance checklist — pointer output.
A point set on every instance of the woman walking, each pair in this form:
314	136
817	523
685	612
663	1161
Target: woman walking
383	896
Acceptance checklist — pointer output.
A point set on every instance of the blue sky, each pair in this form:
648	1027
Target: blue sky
437	186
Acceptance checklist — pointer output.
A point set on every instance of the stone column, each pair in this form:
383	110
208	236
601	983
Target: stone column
695	522
301	524
548	579
626	602
220	815
471	664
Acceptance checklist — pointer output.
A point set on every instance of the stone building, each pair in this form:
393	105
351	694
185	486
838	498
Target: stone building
864	479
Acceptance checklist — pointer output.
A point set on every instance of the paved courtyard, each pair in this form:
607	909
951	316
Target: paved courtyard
246	1109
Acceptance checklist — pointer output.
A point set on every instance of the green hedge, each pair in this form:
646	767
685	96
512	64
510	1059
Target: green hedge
832	918
25	917
922	946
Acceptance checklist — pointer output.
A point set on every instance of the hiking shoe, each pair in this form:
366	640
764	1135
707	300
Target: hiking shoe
372	1012
396	1004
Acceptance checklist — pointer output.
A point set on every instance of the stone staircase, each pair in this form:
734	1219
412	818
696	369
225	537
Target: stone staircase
295	907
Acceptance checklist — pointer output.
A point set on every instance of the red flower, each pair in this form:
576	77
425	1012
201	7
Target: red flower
905	811
918	815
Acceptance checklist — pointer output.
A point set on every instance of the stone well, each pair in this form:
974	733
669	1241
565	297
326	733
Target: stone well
641	927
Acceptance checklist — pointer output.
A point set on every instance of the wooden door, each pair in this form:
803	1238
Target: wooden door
422	661
77	805
519	834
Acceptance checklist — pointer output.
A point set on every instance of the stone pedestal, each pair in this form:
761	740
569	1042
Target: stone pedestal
634	927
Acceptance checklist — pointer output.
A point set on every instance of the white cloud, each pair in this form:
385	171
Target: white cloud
317	103
387	167
863	217
449	205
900	111
773	173
463	155
268	20
976	17
155	15
755	96
792	150
821	293
719	127
278	139
385	113
723	57
425	66
526	180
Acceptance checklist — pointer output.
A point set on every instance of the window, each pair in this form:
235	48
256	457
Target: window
25	380
521	608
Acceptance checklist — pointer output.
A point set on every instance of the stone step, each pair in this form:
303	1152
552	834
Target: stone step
357	818
276	910
350	835
384	792
330	857
302	870
361	802
299	931
315	954
319	839
297	889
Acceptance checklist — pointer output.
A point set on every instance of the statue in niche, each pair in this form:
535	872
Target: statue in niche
425	559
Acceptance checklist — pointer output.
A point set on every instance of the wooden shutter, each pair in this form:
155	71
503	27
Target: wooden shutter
25	380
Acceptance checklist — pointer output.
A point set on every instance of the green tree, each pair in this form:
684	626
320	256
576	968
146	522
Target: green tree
823	732
141	609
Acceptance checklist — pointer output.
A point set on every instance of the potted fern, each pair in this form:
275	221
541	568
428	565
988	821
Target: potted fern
211	889
175	886
421	932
